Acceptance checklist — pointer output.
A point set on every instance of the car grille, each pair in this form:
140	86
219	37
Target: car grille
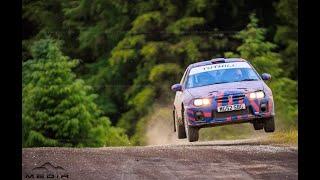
216	114
235	97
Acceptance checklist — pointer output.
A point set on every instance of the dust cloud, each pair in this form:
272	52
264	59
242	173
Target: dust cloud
159	129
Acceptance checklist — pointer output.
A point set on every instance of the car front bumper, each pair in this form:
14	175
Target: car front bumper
209	116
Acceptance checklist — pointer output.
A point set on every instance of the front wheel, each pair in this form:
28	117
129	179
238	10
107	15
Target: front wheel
191	132
258	125
269	125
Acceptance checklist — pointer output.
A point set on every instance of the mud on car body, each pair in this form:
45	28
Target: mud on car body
220	92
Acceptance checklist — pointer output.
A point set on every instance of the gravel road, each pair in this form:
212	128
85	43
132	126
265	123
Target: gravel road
241	159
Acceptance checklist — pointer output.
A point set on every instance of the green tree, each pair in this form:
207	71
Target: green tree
58	109
152	52
257	50
287	35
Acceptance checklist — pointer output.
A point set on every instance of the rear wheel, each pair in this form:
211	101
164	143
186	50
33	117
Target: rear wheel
258	125
179	127
191	132
269	125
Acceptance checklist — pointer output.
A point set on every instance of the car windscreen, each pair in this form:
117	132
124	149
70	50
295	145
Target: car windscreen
226	73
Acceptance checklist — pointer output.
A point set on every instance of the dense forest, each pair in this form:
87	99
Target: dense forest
94	69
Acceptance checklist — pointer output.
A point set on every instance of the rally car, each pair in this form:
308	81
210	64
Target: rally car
220	92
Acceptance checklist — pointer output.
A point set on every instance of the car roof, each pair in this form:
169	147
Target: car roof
216	61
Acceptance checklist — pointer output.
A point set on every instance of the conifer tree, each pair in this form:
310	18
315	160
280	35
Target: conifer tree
58	109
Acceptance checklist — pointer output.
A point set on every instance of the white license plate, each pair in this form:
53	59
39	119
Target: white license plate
233	107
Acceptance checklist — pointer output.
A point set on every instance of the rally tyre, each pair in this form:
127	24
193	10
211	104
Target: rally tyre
180	128
269	125
193	134
258	125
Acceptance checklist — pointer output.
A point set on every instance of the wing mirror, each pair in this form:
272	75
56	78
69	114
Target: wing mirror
266	76
176	87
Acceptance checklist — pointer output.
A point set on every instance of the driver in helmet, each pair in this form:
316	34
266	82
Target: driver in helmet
237	74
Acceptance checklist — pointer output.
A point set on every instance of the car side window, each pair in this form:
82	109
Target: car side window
182	82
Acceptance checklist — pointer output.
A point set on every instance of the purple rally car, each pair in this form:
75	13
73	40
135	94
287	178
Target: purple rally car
219	92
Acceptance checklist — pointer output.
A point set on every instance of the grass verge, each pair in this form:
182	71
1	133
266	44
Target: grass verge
284	137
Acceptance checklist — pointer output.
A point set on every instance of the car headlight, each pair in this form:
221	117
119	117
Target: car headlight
258	95
201	102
